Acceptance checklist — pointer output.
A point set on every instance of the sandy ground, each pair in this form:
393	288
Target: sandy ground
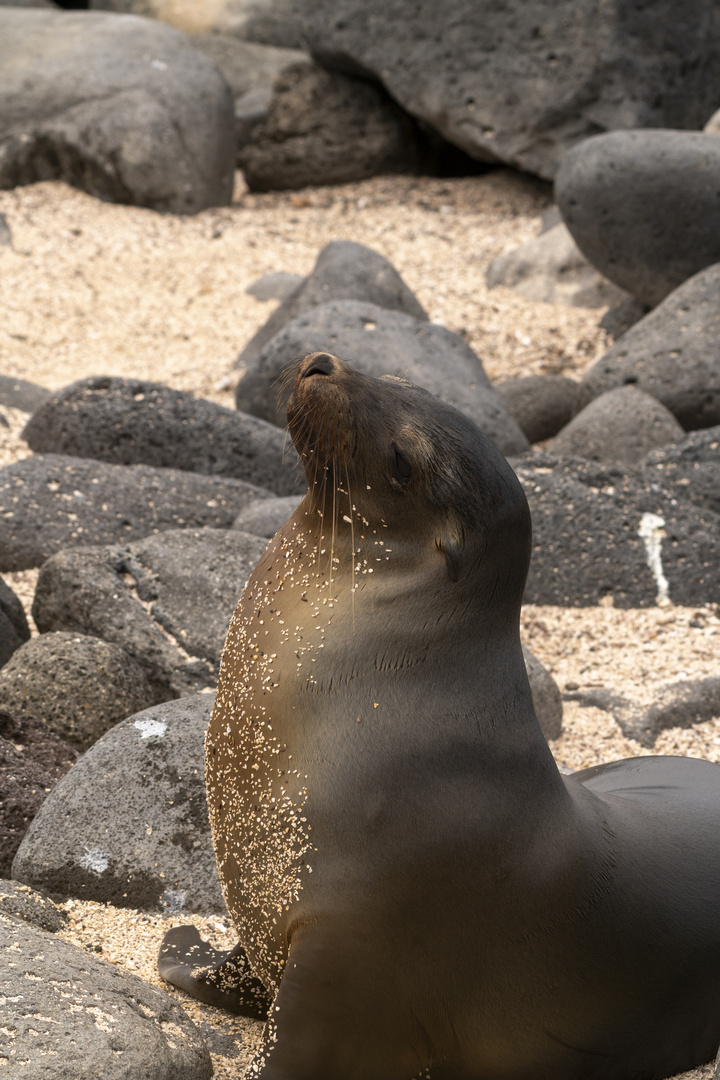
94	289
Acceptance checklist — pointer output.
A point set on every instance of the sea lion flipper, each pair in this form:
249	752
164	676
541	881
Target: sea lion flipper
222	979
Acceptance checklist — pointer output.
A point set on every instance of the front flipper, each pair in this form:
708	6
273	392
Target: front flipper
217	978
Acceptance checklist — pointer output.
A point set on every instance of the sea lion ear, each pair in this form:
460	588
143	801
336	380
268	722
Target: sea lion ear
451	546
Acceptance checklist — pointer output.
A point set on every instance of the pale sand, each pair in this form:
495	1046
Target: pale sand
95	289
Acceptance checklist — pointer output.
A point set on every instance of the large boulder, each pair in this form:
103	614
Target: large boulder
382	342
644	206
619	427
323	127
272	22
67	1014
151	848
690	469
32	760
135	422
602	534
166	600
522	81
264	518
344	271
124	108
670	354
21	394
78	685
14	629
51	501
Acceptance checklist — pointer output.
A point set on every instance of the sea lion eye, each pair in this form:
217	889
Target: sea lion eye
401	468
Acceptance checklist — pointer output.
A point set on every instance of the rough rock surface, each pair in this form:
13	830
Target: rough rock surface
619	427
78	685
671	354
126	109
644	207
679	704
382	342
344	271
264	518
540	404
129	824
272	22
601	535
69	1014
551	268
51	501
32	760
14	629
323	127
689	469
166	600
278	285
21	902
21	394
134	422
522	81
546	696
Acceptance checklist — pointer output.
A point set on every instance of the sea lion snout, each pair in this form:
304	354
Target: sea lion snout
318	364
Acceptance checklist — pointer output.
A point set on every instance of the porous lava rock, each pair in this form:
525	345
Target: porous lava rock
123	108
69	1014
78	685
619	427
53	501
689	469
32	760
521	82
546	696
166	600
264	518
603	534
644	207
129	823
14	629
135	422
540	404
671	353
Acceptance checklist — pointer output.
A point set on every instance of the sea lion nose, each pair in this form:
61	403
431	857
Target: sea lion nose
321	364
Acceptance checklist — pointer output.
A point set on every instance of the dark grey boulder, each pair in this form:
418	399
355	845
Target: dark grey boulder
689	469
166	600
51	501
78	685
620	316
14	629
128	824
520	82
21	902
124	108
671	354
546	696
21	394
323	127
644	207
551	268
32	760
599	532
68	1015
29	4
382	342
619	427
540	404
264	518
135	422
344	271
678	704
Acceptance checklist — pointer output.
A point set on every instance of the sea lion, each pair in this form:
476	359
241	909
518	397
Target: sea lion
414	882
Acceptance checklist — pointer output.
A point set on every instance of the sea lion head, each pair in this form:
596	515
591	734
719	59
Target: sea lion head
384	453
